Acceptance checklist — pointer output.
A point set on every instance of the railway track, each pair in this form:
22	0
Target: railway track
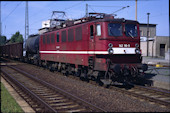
44	97
161	97
151	94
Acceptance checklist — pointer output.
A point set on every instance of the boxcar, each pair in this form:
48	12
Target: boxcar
14	50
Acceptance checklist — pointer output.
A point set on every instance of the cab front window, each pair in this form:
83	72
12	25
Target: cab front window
131	30
114	29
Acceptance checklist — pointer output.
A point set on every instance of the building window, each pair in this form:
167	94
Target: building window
98	27
141	33
149	33
70	35
78	33
162	49
52	38
58	37
63	36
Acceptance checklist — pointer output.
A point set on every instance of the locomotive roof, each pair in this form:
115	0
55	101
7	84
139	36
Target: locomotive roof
117	20
92	19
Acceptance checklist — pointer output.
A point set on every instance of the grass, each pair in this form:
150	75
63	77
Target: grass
8	103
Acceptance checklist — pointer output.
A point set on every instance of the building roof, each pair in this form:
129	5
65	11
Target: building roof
145	24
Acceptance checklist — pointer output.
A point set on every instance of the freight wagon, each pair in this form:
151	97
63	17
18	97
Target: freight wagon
14	50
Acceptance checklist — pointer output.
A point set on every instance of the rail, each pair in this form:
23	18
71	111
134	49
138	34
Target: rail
150	94
30	93
58	90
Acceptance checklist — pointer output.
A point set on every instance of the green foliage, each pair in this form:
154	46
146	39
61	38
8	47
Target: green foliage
8	104
17	37
2	40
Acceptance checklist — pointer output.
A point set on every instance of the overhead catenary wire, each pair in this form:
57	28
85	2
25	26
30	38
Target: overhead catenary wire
104	6
73	5
33	23
64	10
38	12
92	9
12	11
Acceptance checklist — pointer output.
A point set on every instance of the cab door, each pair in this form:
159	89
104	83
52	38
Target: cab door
91	52
91	37
57	41
57	56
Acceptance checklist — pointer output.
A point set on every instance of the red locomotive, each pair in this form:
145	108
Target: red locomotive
98	47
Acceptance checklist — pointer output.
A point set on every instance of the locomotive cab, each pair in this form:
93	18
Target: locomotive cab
121	39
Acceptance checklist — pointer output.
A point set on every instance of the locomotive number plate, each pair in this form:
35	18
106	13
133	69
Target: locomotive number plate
124	45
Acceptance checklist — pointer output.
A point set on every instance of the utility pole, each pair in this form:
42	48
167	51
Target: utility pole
86	10
148	34
136	11
26	22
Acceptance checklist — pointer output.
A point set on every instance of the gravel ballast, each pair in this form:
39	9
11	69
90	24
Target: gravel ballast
104	98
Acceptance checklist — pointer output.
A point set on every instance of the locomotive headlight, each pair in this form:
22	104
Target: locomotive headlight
137	51
137	45
110	51
110	45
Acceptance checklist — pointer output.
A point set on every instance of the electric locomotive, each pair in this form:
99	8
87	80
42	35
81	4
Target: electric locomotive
99	47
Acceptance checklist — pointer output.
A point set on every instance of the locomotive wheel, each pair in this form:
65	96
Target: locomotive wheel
67	72
40	63
50	68
134	72
36	62
98	80
78	73
93	78
84	75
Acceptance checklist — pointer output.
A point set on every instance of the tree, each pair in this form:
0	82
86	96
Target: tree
2	40
17	37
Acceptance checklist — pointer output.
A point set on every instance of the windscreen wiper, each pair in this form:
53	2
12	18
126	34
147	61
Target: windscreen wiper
111	32
130	34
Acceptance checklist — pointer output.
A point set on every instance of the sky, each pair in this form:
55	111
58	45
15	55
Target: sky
13	13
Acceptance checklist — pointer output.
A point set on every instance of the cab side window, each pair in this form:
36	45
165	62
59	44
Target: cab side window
43	39
91	31
52	38
48	39
63	36
70	35
78	33
98	28
58	37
